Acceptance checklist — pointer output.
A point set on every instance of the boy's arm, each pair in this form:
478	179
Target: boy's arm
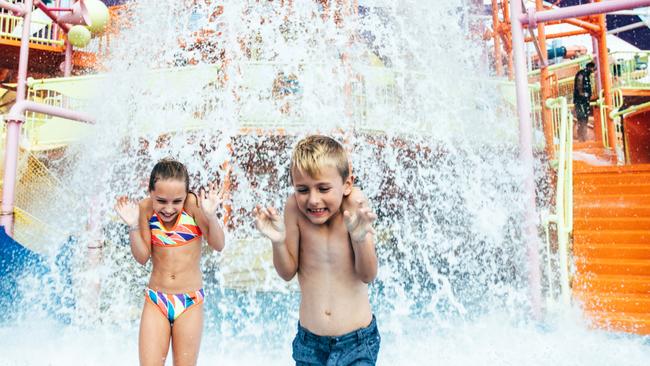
284	236
358	219
208	223
285	253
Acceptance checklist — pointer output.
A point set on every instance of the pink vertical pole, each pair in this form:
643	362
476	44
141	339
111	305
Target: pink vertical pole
67	66
13	129
526	157
594	47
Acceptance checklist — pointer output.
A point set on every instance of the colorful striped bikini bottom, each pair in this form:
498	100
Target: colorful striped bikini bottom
173	305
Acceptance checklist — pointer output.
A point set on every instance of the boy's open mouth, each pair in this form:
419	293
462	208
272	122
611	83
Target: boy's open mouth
317	211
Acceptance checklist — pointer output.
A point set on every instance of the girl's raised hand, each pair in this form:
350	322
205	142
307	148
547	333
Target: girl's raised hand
211	200
269	223
359	222
128	211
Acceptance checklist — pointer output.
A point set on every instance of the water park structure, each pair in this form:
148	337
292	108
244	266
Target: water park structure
586	237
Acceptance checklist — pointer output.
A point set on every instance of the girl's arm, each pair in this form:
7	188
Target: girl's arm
205	214
135	216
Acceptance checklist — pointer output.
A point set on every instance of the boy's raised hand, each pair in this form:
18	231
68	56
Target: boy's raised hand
269	223
359	222
210	200
128	211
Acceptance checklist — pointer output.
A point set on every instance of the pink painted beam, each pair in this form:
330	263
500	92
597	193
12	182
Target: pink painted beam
16	9
54	17
17	112
534	17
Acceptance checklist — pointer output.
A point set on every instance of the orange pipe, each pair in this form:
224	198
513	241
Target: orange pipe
562	34
575	21
497	40
506	16
584	25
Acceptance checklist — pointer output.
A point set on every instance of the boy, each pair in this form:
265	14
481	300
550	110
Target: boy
327	238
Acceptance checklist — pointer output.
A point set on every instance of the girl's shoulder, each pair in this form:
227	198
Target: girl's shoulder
191	204
146	207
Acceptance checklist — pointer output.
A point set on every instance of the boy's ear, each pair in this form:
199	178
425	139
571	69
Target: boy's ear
347	186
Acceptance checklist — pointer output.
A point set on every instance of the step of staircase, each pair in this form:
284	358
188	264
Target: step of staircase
587	188
611	223
612	284
614	302
612	266
587	144
638	323
594	171
611	237
607	250
616	200
613	178
621	212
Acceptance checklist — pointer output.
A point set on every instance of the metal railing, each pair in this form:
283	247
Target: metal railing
617	103
563	216
630	69
43	32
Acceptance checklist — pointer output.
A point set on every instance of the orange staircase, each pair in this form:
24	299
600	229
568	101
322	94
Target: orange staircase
611	241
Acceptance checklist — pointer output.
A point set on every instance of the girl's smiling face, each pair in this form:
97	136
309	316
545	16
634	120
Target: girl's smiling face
168	198
319	198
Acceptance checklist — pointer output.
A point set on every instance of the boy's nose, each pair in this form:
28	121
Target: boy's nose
314	198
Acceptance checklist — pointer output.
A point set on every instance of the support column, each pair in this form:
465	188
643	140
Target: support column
13	129
605	79
531	236
545	90
498	64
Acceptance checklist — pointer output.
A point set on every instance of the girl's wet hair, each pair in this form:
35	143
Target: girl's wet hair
169	169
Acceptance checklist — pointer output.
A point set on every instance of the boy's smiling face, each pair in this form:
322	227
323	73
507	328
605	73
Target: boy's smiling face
319	198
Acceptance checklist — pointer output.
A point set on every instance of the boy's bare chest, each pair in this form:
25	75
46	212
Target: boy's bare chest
323	243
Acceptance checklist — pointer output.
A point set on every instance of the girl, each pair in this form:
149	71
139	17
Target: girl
168	226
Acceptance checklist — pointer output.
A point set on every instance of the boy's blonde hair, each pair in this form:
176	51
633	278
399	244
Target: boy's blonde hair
314	152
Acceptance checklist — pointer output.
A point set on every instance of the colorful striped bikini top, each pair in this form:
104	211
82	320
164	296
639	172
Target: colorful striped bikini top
184	231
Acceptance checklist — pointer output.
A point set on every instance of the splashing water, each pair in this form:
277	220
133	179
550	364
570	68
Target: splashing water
236	84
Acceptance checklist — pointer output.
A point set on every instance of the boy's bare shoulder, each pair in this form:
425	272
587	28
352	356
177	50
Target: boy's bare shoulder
355	195
291	203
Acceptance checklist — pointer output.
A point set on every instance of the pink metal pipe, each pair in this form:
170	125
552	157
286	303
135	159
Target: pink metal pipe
531	235
17	112
579	10
67	63
54	17
13	129
14	118
18	10
594	47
